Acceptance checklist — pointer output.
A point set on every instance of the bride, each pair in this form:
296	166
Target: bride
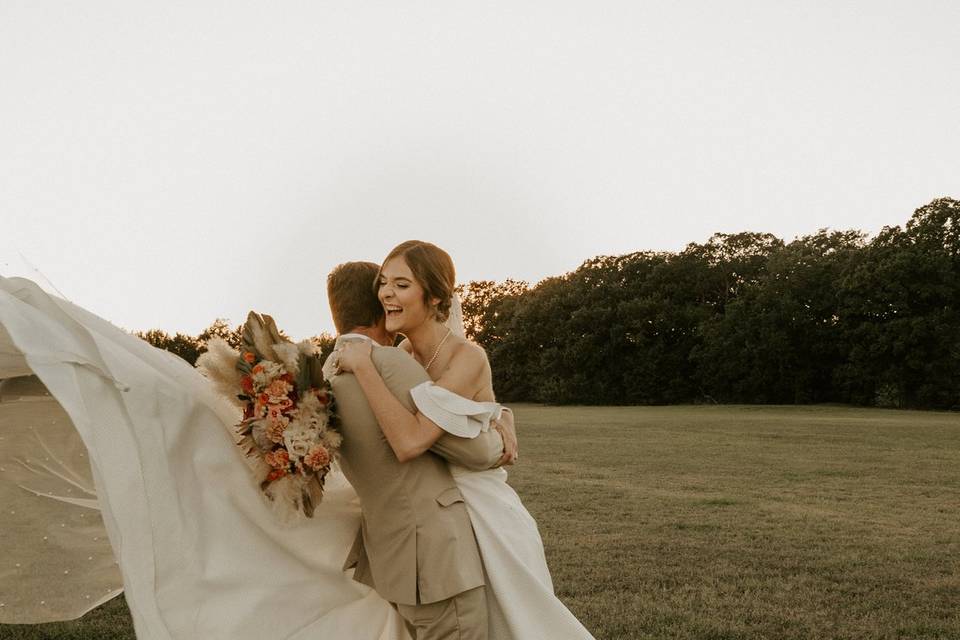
140	458
415	286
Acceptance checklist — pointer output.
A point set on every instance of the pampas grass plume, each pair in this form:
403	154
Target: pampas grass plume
289	356
219	364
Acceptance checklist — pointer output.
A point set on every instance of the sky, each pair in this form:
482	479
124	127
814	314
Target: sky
163	164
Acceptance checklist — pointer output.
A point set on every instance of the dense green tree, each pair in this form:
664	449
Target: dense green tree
187	347
727	263
900	314
220	328
780	339
485	303
324	343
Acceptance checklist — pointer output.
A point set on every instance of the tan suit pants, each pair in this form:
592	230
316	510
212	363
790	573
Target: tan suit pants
462	617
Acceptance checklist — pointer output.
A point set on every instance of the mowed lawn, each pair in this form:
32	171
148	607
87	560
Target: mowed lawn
733	522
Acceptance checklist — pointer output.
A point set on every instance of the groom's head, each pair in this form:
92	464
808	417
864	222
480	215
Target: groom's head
353	300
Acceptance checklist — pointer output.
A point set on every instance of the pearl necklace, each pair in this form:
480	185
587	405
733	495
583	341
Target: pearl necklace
437	352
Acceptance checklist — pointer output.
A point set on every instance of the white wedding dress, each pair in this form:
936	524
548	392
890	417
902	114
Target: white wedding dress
127	479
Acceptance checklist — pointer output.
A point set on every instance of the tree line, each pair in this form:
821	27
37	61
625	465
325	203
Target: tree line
742	318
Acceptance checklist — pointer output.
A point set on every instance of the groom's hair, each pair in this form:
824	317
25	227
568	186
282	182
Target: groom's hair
352	297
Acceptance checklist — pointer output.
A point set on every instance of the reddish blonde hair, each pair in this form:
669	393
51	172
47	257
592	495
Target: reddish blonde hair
433	269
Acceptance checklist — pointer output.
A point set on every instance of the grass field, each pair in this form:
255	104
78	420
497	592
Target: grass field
723	523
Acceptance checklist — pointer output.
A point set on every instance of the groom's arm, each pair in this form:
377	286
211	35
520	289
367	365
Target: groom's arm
500	442
400	372
482	452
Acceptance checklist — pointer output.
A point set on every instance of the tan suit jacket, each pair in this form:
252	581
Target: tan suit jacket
416	544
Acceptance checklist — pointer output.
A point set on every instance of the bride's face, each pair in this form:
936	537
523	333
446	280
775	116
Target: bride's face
402	297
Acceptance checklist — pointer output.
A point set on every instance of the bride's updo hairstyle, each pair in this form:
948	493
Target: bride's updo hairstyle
433	269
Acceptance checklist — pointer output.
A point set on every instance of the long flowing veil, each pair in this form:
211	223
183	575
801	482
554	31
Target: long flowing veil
58	560
58	563
118	472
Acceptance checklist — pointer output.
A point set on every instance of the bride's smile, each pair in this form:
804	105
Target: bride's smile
403	298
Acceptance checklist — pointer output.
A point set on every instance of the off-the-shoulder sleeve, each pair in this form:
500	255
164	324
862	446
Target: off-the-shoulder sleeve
453	413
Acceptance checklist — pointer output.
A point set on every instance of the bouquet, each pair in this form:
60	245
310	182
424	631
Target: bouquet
288	432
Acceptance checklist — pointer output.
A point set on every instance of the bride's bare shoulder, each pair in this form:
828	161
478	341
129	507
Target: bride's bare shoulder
469	370
466	370
469	355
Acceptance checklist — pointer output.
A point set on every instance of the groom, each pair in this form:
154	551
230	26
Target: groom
416	545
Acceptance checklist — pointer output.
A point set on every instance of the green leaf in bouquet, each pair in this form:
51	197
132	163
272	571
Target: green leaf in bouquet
303	375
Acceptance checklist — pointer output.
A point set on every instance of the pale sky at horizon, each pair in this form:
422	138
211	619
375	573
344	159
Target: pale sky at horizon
164	164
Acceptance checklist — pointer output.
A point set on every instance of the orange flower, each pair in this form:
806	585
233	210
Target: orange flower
275	429
247	383
278	388
249	357
258	368
317	458
276	474
278	459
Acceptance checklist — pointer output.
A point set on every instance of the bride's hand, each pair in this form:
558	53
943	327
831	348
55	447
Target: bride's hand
354	354
508	431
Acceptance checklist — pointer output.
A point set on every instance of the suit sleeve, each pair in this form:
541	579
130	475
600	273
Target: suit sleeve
482	452
401	373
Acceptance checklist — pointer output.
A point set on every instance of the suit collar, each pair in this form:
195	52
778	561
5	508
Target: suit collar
350	336
329	371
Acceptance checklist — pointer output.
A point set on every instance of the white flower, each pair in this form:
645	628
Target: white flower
309	405
268	373
297	440
312	415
